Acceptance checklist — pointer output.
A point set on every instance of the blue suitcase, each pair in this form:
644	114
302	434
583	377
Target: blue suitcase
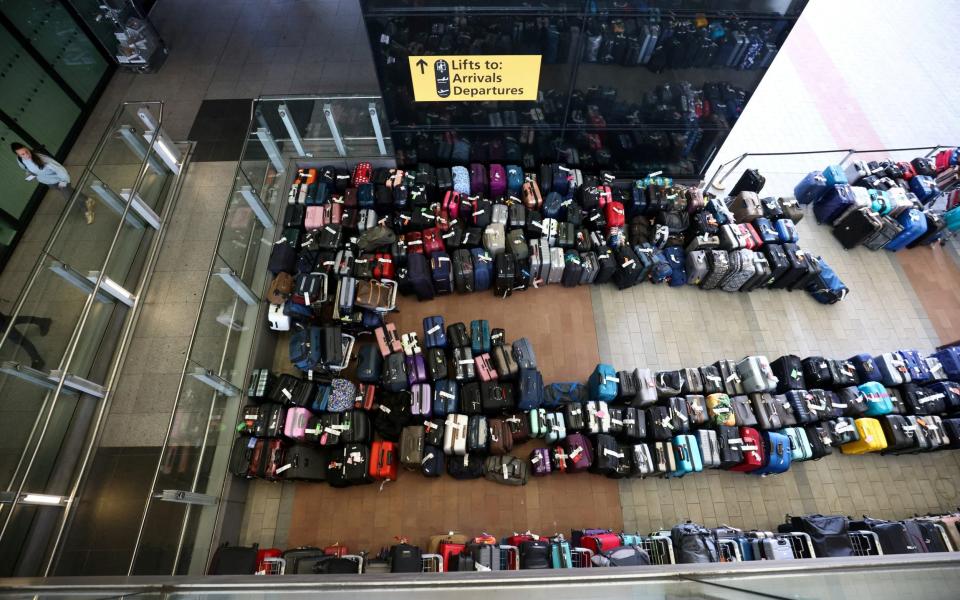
552	205
514	180
445	397
417	278
787	231
660	269
951	395
835	175
826	287
434	332
479	336
924	187
777	453
305	347
866	368
441	270
950	360
482	269
877	399
602	384
919	372
811	189
531	390
914	225
833	204
688	456
677	259
768	233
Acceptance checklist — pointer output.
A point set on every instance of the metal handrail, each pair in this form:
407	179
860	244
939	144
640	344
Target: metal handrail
718	185
369	582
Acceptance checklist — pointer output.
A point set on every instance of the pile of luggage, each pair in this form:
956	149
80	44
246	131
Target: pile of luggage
464	398
884	204
436	231
803	537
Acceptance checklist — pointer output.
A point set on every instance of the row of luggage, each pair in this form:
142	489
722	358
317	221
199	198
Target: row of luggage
883	204
799	537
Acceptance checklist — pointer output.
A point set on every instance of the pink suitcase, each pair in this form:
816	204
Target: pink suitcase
296	424
485	370
388	339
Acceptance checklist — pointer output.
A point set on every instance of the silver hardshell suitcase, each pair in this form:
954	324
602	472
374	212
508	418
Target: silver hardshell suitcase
556	265
709	448
756	375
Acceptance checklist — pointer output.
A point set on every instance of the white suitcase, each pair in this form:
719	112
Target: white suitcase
500	214
556	427
278	320
598	417
455	435
756	375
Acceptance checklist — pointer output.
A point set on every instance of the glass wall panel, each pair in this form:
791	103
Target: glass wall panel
626	87
32	98
54	34
16	189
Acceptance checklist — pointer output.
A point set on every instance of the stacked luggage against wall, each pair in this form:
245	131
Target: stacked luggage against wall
436	231
886	204
460	399
803	537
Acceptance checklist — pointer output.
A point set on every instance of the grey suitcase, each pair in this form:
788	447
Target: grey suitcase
764	407
556	265
891	228
647	392
741	270
589	267
696	267
500	214
732	382
756	375
761	273
495	238
718	261
709	448
642	461
411	447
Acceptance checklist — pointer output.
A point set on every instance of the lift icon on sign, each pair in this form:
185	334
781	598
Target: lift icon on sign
441	72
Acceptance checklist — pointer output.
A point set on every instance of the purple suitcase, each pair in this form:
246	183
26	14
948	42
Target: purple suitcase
478	180
416	369
540	460
579	452
498	181
420	399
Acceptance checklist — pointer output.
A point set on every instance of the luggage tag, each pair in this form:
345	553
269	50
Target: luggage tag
283	468
576	453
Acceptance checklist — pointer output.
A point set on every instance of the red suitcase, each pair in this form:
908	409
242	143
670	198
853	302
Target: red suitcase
337	549
432	242
751	237
264	553
414	241
448	550
615	214
752	450
361	173
600	542
451	203
383	266
384	461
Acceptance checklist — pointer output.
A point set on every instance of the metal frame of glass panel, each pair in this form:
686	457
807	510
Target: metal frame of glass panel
89	357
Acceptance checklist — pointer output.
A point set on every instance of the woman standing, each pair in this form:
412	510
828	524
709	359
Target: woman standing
49	172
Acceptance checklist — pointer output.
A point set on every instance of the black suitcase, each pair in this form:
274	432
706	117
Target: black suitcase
899	436
605	458
493	398
234	560
811	267
405	558
788	370
463	271
797	269
891	228
302	560
306	463
436	360
816	372
574	418
627	266
750	181
356	464
843	373
457	335
241	454
271	418
534	554
935	224
505	266
634	424
607	266
821	442
471	400
729	443
852	228
659	423
572	270
357	428
416	277
778	261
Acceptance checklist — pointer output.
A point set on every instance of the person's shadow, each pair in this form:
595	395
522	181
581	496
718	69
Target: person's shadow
42	323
